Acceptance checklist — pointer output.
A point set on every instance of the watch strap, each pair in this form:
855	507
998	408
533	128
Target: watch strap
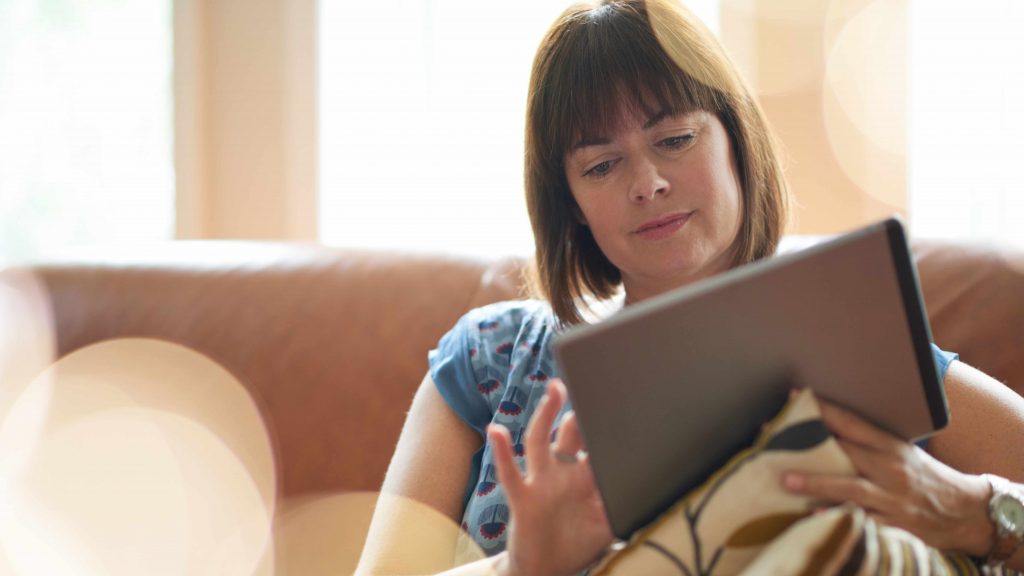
1007	542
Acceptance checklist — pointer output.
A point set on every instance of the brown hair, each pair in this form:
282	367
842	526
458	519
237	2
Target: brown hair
597	58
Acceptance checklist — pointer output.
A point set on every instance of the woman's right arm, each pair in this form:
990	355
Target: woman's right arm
416	522
558	520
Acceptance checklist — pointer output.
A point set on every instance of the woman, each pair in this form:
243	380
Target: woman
648	166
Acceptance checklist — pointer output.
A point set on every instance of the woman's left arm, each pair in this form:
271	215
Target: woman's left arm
940	496
986	427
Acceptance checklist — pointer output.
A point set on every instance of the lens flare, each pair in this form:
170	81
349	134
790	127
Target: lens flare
864	99
326	535
27	348
150	459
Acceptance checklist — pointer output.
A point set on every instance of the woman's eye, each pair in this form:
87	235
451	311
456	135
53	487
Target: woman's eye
677	142
600	169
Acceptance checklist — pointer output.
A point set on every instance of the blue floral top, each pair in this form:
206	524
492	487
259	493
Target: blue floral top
493	366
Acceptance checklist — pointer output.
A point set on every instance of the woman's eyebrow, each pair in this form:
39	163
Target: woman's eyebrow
589	142
657	118
651	123
668	113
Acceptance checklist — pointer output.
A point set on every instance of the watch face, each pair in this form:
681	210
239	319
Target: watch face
1009	513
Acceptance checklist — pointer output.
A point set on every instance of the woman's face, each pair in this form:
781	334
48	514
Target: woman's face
661	198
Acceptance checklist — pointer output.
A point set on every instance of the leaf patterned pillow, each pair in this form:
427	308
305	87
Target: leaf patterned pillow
742	520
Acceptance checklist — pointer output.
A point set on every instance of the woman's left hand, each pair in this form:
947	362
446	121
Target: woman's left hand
901	485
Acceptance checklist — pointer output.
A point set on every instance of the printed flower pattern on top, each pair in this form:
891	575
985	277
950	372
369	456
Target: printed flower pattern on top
494	366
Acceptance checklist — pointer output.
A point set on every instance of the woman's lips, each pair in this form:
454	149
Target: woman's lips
662	227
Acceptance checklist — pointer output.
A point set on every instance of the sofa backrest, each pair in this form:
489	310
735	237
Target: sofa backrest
975	300
332	343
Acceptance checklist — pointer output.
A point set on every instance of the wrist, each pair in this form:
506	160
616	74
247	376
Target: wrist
977	531
1006	509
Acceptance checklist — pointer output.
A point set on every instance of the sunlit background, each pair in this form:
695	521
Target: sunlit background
85	124
388	125
966	119
416	110
422	112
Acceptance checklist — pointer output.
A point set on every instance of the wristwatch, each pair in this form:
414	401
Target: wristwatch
1006	509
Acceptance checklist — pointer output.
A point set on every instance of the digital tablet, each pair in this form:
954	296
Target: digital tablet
668	389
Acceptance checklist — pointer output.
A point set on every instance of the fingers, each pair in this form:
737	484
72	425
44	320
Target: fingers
508	473
838	489
868	462
569	440
849	426
538	431
538	453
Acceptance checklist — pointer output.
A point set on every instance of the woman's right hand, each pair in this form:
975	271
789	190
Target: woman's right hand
558	524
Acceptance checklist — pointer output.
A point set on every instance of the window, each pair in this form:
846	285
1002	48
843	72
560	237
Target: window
422	109
966	120
85	124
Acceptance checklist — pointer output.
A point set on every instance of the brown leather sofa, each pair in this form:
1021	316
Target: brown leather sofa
331	343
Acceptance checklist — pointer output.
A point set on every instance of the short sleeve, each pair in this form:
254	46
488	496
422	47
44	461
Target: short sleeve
942	360
451	367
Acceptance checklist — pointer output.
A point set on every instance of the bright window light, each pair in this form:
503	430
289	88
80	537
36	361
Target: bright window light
85	125
422	110
966	120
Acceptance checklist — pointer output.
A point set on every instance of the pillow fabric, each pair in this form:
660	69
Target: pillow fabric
742	520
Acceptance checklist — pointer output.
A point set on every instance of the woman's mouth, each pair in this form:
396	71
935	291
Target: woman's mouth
662	227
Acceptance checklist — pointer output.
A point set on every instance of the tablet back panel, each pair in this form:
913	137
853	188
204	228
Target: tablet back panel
668	389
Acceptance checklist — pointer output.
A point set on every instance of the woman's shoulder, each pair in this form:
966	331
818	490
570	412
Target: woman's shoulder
474	362
509	315
492	328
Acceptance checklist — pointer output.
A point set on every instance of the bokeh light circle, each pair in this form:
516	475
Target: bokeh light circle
150	458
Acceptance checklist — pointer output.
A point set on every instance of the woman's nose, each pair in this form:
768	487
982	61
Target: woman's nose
647	182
